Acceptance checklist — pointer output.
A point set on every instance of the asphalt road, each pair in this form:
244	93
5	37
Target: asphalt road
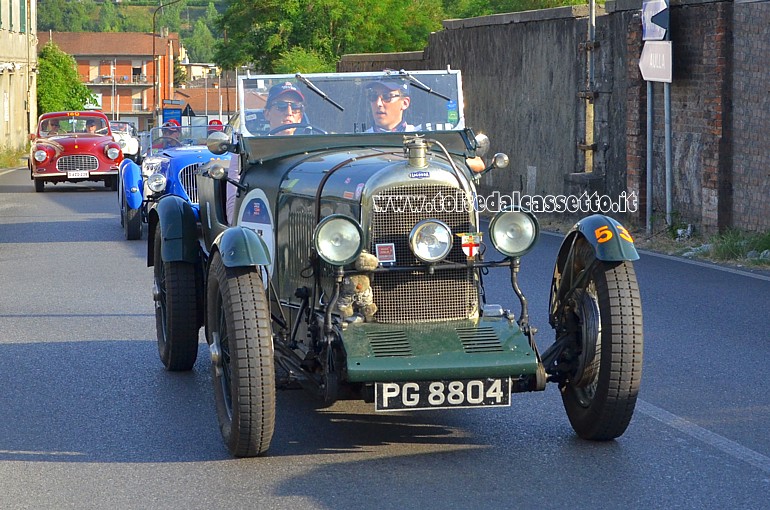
90	419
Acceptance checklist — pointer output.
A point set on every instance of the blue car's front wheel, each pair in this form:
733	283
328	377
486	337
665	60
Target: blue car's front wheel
175	310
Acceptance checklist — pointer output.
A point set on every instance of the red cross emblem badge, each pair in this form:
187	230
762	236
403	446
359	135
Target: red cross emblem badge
470	244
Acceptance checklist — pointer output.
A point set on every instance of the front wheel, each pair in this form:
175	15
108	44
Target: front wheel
39	185
175	310
240	338
600	397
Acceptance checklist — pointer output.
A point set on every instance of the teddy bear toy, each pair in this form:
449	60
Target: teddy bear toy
356	298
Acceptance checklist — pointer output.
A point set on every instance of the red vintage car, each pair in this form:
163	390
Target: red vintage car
74	147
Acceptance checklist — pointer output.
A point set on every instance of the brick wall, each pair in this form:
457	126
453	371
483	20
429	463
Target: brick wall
523	73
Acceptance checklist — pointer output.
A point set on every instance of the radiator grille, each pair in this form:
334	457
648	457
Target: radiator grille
187	180
77	162
417	296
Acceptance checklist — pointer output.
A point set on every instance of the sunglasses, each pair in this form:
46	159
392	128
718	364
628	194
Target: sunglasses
373	97
283	106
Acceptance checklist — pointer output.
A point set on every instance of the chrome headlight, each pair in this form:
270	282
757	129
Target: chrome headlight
113	153
122	142
430	240
156	182
40	155
338	239
514	232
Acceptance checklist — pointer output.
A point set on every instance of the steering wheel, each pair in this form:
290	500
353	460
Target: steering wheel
308	129
168	141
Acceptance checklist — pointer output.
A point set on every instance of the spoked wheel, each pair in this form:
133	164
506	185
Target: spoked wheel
600	395
175	310
240	338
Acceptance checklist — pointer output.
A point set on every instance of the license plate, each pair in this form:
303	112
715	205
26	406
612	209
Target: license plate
409	396
77	174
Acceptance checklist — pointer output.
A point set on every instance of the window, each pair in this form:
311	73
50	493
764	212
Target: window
23	16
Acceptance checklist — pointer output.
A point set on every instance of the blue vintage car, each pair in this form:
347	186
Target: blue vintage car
168	167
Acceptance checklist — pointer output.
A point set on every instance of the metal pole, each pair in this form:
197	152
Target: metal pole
156	66
649	155
669	177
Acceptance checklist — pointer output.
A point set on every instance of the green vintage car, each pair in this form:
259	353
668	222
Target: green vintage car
344	259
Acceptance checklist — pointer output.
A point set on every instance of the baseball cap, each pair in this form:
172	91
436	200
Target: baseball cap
281	89
390	84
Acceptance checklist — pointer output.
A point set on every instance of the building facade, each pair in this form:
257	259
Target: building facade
18	72
130	73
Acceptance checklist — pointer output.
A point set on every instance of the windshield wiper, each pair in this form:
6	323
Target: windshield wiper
420	85
318	91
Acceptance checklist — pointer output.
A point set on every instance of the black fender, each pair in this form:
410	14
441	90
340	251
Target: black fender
179	230
241	246
609	239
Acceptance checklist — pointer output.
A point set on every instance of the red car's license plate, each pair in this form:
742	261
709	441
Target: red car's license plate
409	396
77	174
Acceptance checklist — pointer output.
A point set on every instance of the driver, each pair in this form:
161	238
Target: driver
169	136
285	105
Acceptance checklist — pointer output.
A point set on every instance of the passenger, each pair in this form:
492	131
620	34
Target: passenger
285	105
91	127
389	99
49	127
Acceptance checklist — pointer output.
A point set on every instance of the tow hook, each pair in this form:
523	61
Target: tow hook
216	353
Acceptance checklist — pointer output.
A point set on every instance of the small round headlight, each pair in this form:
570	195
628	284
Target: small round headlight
40	155
113	152
514	232
218	171
122	142
156	182
430	240
338	239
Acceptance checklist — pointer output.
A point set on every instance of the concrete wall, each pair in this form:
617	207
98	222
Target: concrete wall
525	83
18	79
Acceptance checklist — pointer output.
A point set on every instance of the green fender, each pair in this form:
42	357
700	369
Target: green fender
241	246
610	240
179	230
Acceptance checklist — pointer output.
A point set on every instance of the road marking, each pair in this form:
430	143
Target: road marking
10	170
723	444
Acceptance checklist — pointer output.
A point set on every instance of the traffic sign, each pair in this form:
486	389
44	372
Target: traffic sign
655	63
655	20
188	112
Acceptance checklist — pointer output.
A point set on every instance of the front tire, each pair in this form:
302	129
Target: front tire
239	332
132	223
176	321
39	185
601	397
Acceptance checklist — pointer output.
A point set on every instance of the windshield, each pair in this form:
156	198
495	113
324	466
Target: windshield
72	123
170	136
347	103
123	127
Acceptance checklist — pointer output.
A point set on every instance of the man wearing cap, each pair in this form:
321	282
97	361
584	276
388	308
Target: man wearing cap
285	105
389	98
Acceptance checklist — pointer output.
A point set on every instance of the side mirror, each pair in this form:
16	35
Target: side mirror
32	136
219	143
499	160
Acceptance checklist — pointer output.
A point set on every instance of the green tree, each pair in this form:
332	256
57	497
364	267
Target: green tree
109	19
260	33
58	84
298	60
200	45
50	14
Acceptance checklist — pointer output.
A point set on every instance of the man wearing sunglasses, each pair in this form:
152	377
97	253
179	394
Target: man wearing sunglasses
285	105
388	98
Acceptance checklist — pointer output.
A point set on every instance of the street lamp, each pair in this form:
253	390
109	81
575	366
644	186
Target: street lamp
154	65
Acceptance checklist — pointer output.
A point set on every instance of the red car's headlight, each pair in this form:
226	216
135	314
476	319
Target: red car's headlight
112	151
42	153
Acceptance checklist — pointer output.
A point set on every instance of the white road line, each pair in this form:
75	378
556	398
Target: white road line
720	443
10	170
